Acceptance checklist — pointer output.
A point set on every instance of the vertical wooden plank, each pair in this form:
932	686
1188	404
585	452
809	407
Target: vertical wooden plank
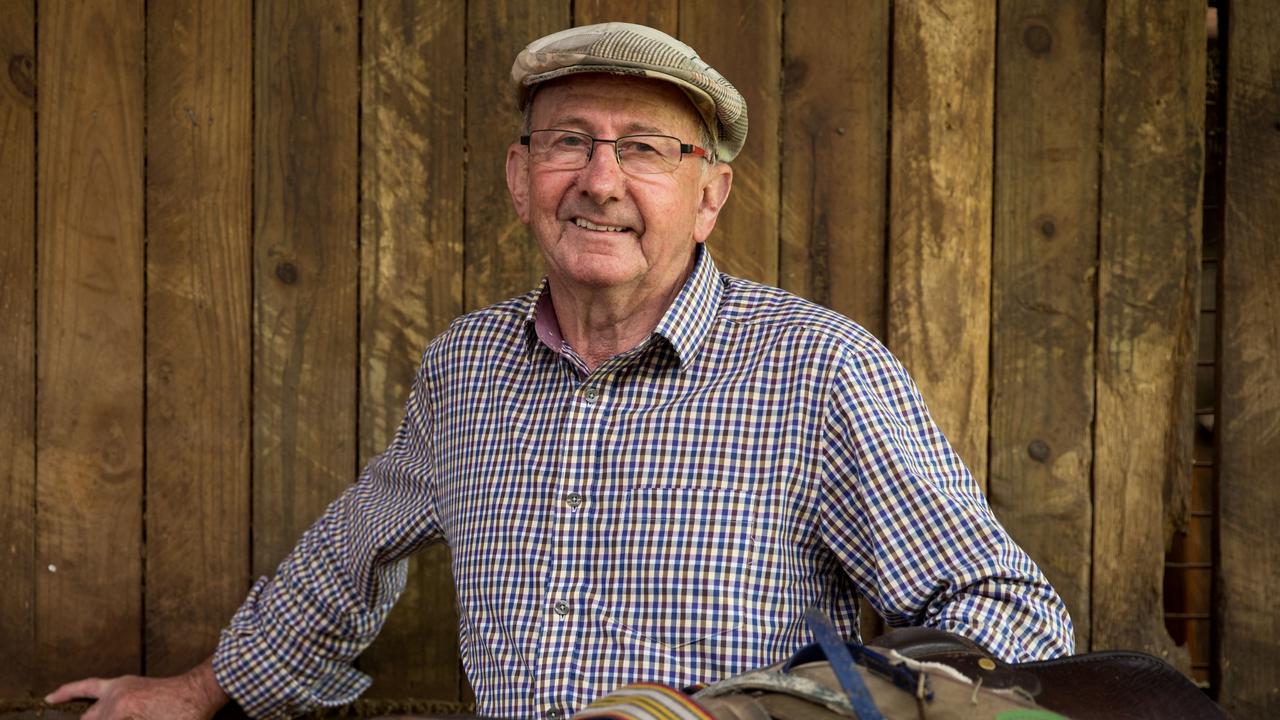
663	15
835	117
199	334
940	212
835	154
1152	164
1249	429
306	85
502	259
90	352
17	363
743	40
411	288
1048	115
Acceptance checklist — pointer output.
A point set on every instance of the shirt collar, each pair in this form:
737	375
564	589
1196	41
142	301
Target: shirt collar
684	325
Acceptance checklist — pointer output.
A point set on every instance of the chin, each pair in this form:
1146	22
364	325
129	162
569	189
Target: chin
599	275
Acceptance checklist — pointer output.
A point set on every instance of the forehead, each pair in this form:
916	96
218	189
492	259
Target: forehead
591	101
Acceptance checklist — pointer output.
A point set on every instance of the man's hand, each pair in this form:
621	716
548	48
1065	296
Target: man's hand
194	695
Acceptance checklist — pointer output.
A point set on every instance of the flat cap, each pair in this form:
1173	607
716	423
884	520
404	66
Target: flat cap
626	49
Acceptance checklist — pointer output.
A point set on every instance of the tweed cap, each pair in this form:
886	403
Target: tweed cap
626	49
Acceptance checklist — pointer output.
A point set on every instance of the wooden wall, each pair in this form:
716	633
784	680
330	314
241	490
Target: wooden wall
230	227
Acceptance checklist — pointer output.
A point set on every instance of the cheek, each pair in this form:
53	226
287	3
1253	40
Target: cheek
545	192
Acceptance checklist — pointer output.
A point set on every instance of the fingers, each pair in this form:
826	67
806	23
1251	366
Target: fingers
88	688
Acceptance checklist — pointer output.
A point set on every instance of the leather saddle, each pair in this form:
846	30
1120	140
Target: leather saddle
1105	684
928	673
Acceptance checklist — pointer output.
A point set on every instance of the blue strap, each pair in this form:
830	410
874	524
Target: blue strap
842	665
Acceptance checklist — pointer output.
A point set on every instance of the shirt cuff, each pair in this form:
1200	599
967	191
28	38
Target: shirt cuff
270	677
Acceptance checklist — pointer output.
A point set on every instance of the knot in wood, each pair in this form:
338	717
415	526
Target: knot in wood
287	272
1038	450
1038	39
22	73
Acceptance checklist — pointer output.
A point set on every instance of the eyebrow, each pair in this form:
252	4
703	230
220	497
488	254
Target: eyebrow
572	122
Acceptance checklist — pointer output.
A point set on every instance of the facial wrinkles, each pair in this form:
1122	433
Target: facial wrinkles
618	212
593	204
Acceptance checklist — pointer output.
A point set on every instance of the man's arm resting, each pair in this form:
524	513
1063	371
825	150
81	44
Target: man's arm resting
912	528
193	695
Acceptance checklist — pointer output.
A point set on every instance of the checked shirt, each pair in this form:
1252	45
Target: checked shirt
668	517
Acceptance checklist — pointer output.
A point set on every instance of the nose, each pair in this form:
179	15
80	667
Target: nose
602	179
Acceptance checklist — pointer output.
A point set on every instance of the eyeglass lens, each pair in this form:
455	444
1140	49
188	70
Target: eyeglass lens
569	150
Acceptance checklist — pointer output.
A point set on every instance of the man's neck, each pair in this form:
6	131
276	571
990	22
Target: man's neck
599	323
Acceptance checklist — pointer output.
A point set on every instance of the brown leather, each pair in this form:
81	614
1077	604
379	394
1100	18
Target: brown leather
736	707
1107	684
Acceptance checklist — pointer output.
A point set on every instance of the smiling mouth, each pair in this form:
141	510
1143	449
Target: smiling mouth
588	225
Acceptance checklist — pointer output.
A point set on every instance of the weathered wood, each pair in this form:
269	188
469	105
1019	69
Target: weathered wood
90	340
1249	426
940	212
199	334
412	177
306	85
661	14
502	259
1045	249
835	116
1148	266
745	242
17	362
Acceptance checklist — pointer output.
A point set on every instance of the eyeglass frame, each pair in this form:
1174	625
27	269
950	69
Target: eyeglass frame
685	148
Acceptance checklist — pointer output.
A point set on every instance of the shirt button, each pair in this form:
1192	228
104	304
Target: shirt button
552	714
573	500
590	394
561	608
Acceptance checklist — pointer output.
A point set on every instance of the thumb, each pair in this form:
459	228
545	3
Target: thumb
88	688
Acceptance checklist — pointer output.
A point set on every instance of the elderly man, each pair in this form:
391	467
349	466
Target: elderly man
644	469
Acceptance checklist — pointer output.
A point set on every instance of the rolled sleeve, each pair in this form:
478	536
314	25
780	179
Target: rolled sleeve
289	648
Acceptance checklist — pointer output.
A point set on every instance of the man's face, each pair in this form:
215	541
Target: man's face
599	227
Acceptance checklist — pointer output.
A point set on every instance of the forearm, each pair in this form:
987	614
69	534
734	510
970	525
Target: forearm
205	687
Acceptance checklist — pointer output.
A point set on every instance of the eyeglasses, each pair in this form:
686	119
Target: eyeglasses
637	154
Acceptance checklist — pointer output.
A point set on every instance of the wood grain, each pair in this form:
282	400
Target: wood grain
199	324
835	117
745	241
502	259
1249	426
940	212
306	88
1044	257
835	154
90	340
412	163
17	363
1148	266
661	14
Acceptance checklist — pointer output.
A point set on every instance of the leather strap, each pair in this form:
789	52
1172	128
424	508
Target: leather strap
864	708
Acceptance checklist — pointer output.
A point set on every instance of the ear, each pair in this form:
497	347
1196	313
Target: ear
716	183
518	180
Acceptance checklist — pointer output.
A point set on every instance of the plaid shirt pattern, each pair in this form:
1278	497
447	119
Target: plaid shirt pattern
668	517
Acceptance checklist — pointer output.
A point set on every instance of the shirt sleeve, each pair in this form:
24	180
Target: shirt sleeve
913	530
289	647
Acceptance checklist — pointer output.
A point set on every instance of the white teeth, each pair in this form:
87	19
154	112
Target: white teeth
592	226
